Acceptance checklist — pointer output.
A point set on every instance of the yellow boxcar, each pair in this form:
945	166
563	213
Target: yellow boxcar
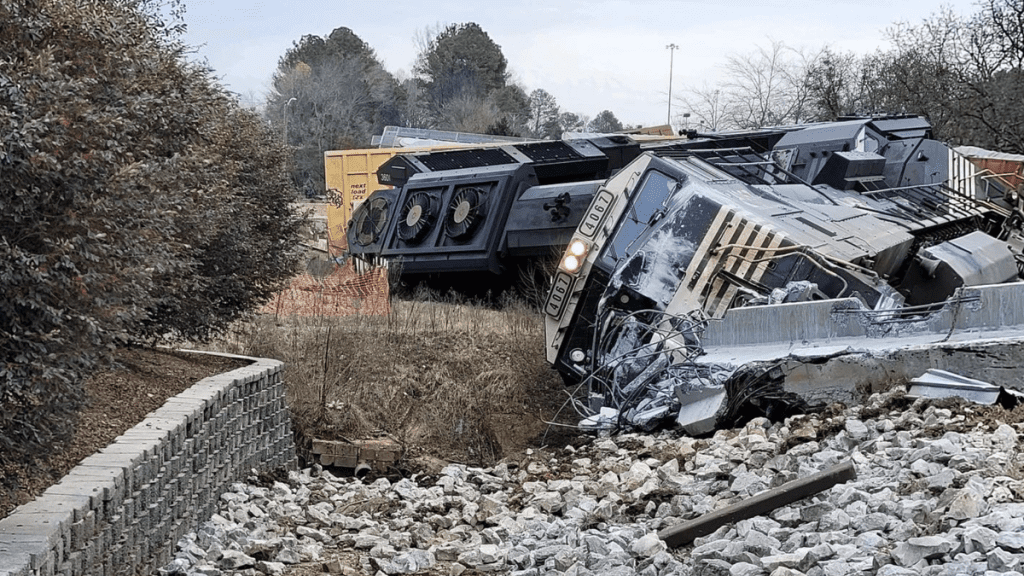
351	175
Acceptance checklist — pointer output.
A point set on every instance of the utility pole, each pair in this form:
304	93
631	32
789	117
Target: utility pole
286	106
671	53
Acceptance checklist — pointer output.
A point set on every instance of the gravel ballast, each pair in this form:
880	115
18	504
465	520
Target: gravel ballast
938	492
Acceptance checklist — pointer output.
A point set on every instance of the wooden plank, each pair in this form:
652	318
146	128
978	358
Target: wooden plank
344	449
378	454
762	503
349	454
346	461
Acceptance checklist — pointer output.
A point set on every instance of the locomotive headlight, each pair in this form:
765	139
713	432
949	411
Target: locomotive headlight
575	253
578	248
571	264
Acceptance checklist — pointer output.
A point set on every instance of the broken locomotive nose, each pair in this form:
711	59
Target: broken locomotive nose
745	273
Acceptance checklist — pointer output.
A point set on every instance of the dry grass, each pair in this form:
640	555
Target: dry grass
453	380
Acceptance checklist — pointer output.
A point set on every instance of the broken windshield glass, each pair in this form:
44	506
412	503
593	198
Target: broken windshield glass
647	207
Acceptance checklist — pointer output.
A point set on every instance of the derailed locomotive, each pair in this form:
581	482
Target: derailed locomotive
475	218
701	276
706	276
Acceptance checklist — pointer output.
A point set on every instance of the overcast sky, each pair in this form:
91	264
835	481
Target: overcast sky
592	56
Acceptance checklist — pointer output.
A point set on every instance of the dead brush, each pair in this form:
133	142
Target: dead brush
434	374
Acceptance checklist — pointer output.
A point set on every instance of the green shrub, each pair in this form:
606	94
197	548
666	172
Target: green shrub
137	201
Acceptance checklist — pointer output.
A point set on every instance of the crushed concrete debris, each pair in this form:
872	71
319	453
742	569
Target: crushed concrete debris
938	493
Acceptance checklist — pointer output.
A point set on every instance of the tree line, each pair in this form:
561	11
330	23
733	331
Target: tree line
332	93
964	73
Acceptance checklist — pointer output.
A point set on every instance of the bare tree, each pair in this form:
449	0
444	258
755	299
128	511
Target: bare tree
966	73
1006	18
835	84
423	37
467	113
765	87
413	108
334	106
761	88
252	100
706	106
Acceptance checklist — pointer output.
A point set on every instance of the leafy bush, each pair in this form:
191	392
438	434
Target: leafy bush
137	201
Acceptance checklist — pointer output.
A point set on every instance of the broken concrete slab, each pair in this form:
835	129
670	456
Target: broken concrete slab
943	384
605	419
700	410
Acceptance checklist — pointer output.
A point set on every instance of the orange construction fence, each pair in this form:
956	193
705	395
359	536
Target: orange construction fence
334	291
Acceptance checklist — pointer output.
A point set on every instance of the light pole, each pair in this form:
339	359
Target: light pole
285	115
671	53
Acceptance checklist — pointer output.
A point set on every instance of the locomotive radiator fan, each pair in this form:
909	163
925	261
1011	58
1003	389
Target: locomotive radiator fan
369	221
465	213
417	218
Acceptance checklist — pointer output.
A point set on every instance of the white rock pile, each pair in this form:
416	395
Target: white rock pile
938	492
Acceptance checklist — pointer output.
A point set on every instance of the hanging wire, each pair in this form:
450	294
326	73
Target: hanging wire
671	338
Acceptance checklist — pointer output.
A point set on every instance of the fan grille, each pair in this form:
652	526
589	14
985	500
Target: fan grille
465	213
417	217
371	217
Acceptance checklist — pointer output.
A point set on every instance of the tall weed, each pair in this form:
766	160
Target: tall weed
438	375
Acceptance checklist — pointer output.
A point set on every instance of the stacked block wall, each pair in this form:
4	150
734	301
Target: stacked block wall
122	510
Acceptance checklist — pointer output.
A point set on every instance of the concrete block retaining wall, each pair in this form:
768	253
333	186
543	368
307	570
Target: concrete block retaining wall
121	511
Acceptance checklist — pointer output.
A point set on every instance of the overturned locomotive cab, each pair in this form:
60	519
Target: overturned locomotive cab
766	272
474	217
